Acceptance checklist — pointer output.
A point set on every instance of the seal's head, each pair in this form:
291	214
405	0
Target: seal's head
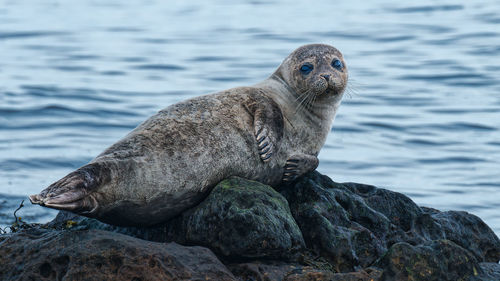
314	71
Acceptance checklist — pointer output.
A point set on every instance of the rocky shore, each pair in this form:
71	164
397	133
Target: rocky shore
315	229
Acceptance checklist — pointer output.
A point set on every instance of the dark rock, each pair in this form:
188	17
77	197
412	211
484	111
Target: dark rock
439	260
352	225
296	272
471	233
398	208
39	254
67	220
489	272
310	274
338	231
263	272
336	223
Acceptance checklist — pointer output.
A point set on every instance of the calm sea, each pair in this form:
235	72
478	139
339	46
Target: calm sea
421	116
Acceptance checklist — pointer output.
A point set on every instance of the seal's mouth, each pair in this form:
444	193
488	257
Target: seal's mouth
331	91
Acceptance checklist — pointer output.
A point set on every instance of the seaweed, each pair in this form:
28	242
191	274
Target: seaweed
18	223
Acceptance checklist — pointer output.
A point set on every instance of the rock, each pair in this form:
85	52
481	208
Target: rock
39	254
242	219
489	271
440	260
471	233
370	274
67	220
297	272
313	229
336	223
398	208
260	271
352	225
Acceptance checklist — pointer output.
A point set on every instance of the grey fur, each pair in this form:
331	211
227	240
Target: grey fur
171	161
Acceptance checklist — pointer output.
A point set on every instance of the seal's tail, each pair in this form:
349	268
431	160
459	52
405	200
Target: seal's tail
74	191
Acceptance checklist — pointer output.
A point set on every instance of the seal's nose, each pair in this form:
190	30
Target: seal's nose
326	76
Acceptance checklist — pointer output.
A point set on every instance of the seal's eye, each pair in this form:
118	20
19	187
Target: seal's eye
337	64
306	68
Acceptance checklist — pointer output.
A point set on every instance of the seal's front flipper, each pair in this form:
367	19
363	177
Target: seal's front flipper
266	142
268	126
298	165
73	192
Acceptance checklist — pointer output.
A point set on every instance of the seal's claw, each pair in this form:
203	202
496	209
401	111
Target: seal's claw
265	150
291	173
261	134
264	144
266	157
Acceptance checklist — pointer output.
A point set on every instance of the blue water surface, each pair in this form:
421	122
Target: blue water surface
421	115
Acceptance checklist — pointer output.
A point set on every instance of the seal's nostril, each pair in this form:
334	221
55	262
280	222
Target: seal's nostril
326	76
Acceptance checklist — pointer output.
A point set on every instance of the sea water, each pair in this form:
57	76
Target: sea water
421	115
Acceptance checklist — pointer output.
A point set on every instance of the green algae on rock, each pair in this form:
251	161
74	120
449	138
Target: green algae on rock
242	219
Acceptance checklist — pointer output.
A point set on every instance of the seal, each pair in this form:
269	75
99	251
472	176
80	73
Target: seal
271	132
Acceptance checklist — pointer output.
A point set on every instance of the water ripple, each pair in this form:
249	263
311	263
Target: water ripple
386	39
448	160
62	110
42	163
159	67
459	127
493	18
426	9
89	125
28	34
211	59
443	77
386	126
74	68
426	142
75	94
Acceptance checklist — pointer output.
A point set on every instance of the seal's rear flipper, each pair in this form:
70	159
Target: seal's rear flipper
73	192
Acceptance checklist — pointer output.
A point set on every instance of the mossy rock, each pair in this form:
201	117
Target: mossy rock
243	219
